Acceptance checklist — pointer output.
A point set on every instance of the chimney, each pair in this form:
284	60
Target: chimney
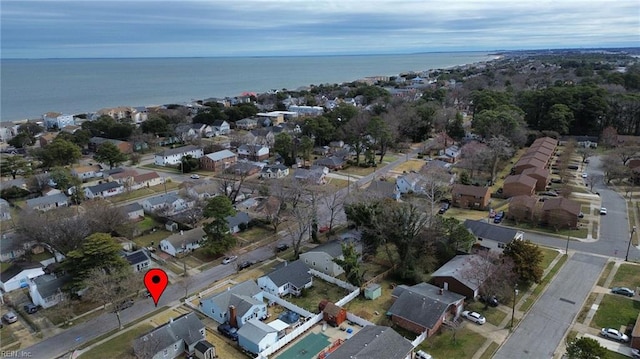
441	291
232	316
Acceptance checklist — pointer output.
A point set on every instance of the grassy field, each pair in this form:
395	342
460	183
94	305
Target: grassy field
491	349
615	311
494	315
548	256
587	306
411	165
357	171
628	275
605	273
442	345
6	333
319	291
118	347
155	237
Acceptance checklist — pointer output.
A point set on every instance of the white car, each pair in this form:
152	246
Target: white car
603	211
474	317
614	334
585	175
195	176
229	259
635	353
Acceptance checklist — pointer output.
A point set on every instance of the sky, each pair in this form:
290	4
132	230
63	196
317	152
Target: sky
208	28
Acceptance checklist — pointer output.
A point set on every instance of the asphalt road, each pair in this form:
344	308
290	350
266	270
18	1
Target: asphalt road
540	332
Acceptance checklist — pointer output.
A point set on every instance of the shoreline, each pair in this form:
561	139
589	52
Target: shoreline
488	58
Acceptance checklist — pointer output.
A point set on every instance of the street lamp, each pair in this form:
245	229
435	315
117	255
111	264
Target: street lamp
513	309
566	251
626	258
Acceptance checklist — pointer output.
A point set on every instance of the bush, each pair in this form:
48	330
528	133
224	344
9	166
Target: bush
13	193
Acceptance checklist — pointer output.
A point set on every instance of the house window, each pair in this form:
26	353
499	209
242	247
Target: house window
212	311
175	347
165	353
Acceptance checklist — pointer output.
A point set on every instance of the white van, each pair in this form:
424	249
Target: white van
422	355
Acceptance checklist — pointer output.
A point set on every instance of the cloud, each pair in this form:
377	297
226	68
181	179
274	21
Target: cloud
268	27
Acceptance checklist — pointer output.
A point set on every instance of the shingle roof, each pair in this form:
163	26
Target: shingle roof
132	207
568	205
145	177
202	346
186	327
177	150
255	330
374	342
49	285
38	201
530	161
461	267
162	199
332	248
239	218
220	155
296	273
468	190
484	230
537	171
103	187
16	268
521	178
418	308
247	288
191	236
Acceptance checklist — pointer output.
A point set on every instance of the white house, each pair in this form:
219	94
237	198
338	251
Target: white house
274	171
134	211
138	260
87	172
253	152
183	241
410	182
255	336
18	275
236	221
491	236
321	258
307	110
57	120
453	153
4	210
46	290
146	180
221	127
236	305
139	114
104	190
168	204
173	156
46	203
247	124
287	278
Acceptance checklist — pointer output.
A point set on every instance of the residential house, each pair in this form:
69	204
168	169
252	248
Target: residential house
253	152
452	153
275	117
146	180
87	172
237	221
236	305
122	176
548	141
491	236
183	241
103	190
46	290
541	175
528	162
138	260
331	162
424	307
463	274
117	113
522	208
538	154
134	211
173	156
13	246
307	110
274	171
314	175
139	114
247	124
261	135
5	213
518	185
560	212
167	204
255	336
19	274
46	203
57	120
374	342
635	335
123	146
321	257
287	279
47	138
221	127
246	168
201	189
410	183
467	196
218	161
583	141
384	189
175	339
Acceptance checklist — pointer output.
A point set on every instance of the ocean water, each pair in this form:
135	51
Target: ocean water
30	88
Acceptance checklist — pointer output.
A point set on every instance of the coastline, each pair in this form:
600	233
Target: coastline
275	73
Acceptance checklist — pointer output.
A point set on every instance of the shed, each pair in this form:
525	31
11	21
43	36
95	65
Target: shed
205	350
332	314
373	291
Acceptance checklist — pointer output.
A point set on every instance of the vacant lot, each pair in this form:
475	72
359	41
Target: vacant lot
615	311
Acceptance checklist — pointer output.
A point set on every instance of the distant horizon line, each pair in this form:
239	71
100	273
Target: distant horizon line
489	52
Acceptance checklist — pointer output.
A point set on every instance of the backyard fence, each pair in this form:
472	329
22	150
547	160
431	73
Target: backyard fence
417	341
291	336
377	278
349	297
356	319
330	279
290	306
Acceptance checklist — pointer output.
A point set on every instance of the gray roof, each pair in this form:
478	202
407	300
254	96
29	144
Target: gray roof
243	303
255	330
132	207
430	291
186	327
240	217
383	188
418	308
16	268
329	161
484	230
246	288
202	346
139	256
49	285
460	267
332	248
296	273
191	236
162	199
177	150
44	200
10	242
99	188
374	342
220	155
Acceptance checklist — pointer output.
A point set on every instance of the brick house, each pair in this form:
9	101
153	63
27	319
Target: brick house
522	208
466	196
541	175
456	275
218	161
528	162
518	185
560	213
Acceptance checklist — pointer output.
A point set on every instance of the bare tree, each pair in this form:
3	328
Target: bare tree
273	210
498	148
333	201
231	182
491	273
435	186
62	230
64	308
105	218
300	226
625	153
585	152
113	287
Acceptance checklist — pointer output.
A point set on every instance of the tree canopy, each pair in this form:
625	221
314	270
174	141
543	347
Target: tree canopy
527	258
110	153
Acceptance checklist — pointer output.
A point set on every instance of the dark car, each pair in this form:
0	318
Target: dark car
573	167
490	300
498	217
282	247
245	264
623	291
444	208
123	305
228	331
30	308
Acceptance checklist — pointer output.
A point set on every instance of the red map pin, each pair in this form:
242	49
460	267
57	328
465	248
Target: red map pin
156	281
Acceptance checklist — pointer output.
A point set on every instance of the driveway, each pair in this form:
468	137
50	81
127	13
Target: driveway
543	328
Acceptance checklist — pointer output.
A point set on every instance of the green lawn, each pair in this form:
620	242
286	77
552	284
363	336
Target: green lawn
319	291
549	256
615	355
493	315
357	171
605	273
147	223
542	285
119	346
491	349
155	237
586	308
442	346
578	233
615	311
628	275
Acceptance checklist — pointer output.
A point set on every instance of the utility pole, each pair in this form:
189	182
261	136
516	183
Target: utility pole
513	309
626	258
566	251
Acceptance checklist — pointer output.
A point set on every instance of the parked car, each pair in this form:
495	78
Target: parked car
443	208
490	300
10	317
603	211
584	175
194	176
623	291
228	331
282	247
573	167
498	217
30	308
635	353
229	259
614	334
123	305
549	193
556	180
245	264
474	317
492	213
323	229
581	215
